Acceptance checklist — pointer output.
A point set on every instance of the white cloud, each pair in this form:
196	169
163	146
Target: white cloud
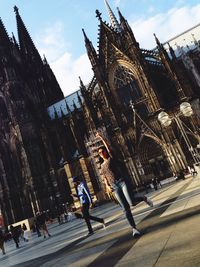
50	42
117	2
165	25
68	70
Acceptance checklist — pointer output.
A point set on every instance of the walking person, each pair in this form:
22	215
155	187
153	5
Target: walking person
36	223
113	171
15	235
86	203
2	240
41	219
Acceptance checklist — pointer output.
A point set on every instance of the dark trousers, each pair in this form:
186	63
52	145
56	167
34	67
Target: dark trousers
88	217
16	240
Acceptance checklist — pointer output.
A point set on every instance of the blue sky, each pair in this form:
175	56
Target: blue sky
55	27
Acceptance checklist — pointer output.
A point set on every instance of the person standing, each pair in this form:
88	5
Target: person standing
86	203
25	232
36	223
113	171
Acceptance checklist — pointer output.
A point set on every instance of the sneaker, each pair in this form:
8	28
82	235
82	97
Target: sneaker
149	201
136	233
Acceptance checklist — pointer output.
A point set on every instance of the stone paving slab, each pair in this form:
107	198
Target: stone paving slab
165	237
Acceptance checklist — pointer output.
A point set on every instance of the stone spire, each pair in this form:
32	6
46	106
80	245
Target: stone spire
4	38
26	44
113	20
90	50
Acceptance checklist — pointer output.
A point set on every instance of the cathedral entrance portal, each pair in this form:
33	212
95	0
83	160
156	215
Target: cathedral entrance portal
153	160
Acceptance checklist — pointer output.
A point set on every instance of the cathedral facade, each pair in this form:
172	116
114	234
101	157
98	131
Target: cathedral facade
27	165
138	99
47	139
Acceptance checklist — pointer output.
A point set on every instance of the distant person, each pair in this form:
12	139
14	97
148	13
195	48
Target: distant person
181	175
193	171
37	226
113	172
25	232
86	203
42	224
2	240
155	183
15	235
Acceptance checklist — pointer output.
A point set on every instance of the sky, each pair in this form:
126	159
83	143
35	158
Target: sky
56	28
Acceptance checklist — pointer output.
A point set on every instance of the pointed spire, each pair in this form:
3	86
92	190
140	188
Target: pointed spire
45	60
171	50
55	113
161	48
157	41
67	106
82	87
113	20
26	44
14	40
85	36
61	112
16	10
126	28
179	49
79	99
98	15
4	38
90	50
74	106
194	40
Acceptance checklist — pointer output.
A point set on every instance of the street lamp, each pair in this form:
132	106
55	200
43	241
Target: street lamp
166	120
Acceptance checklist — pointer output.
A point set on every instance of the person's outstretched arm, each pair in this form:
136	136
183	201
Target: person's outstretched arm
105	143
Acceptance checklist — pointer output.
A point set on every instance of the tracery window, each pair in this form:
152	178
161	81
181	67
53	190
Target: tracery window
126	85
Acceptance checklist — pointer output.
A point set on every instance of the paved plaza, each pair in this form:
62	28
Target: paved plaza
171	235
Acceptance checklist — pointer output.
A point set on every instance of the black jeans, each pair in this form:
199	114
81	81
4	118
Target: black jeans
88	217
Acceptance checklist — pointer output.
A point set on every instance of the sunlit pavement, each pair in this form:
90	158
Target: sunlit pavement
171	235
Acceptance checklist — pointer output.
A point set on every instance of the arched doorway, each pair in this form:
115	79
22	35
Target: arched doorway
153	160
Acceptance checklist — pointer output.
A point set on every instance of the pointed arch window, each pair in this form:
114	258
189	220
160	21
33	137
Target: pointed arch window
126	85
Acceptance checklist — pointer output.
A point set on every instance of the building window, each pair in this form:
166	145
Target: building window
126	85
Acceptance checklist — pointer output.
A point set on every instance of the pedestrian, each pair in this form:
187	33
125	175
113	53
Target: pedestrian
113	172
42	224
2	240
193	171
37	226
25	232
155	183
86	203
15	235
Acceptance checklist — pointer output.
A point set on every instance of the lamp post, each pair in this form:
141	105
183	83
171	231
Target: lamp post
166	120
